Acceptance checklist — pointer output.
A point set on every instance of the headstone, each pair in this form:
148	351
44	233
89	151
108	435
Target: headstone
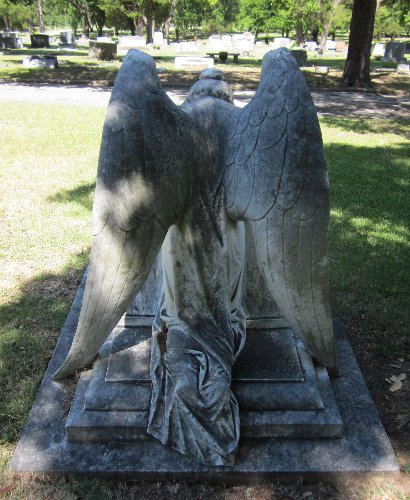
395	52
104	39
193	63
243	43
125	43
311	46
40	41
40	62
378	50
330	45
158	39
67	39
83	41
341	46
10	40
281	42
300	56
322	70
104	51
214	43
403	68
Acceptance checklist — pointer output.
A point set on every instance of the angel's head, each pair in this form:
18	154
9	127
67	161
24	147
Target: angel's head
211	84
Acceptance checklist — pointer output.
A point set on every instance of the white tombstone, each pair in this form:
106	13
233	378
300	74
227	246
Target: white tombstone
378	50
281	42
193	63
105	39
214	43
158	39
243	43
330	45
311	46
125	43
227	42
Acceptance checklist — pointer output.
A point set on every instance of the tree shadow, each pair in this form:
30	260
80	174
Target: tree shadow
29	327
369	239
399	126
81	195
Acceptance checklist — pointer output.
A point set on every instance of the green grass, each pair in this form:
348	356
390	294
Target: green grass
47	176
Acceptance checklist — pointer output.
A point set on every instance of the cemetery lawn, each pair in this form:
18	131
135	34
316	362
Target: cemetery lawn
47	175
75	67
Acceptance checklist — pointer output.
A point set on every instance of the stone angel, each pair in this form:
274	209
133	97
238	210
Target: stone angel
186	178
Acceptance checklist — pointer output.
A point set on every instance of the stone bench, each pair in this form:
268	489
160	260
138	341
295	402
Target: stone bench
223	55
193	63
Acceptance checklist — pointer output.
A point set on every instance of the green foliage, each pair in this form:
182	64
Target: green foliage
387	22
15	15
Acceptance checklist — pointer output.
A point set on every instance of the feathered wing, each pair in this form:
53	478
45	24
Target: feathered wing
276	177
144	182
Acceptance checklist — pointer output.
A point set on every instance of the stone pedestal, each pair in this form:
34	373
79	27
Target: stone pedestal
395	52
295	421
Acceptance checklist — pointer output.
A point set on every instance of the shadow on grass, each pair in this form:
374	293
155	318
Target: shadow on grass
29	327
369	240
399	126
82	195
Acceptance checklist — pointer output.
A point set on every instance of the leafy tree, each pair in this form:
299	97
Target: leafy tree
387	22
16	15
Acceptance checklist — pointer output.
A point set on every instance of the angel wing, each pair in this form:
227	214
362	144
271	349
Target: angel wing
145	153
276	177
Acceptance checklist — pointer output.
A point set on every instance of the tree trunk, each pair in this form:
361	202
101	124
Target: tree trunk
39	14
131	25
357	66
169	18
139	25
30	24
150	30
299	34
327	24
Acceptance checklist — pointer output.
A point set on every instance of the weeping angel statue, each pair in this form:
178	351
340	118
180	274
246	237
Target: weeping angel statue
186	178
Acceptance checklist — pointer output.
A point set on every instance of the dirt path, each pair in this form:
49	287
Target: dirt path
327	103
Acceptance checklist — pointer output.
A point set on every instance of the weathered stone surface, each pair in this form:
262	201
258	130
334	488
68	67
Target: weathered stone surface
40	62
40	41
193	63
395	51
105	51
300	56
363	451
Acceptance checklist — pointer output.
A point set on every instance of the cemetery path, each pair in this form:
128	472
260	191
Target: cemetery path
351	104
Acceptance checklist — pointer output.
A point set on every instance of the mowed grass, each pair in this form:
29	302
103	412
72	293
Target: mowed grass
49	156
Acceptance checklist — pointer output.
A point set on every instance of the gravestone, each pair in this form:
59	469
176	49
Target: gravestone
311	46
10	40
40	41
378	50
243	43
341	46
125	43
395	52
193	63
104	39
281	42
204	230
159	40
104	51
330	45
67	39
40	62
300	56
